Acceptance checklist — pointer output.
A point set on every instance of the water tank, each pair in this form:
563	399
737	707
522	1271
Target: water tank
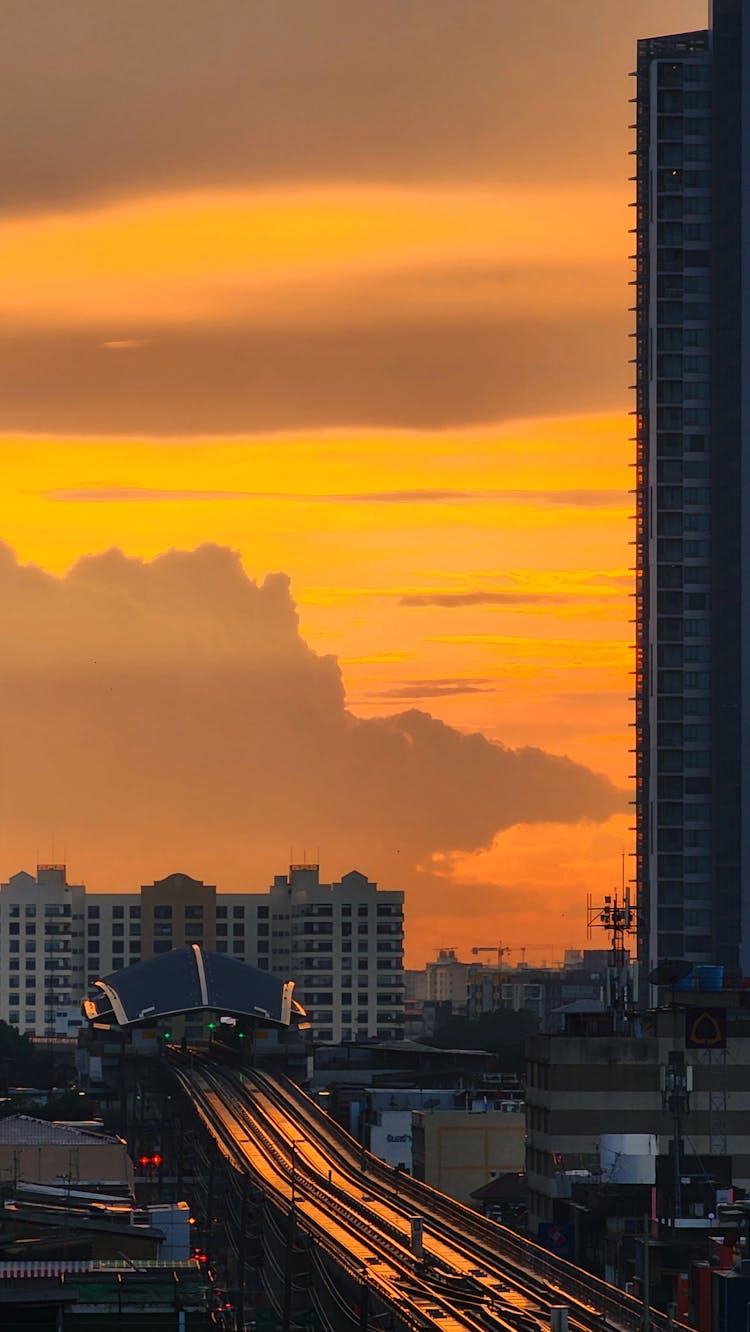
709	978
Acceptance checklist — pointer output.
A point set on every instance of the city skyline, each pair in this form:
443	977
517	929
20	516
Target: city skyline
320	293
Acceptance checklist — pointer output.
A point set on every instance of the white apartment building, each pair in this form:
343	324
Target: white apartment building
42	948
341	942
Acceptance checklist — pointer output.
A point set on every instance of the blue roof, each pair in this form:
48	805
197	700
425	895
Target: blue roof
188	980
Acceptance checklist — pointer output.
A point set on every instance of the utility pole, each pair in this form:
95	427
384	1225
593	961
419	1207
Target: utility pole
677	1081
645	1313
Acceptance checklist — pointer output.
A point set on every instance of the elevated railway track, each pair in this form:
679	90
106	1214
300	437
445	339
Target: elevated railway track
473	1275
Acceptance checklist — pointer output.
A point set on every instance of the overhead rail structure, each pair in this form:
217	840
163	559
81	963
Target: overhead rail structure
408	1252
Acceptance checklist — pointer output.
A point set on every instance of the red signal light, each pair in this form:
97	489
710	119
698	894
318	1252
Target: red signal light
156	1159
144	1160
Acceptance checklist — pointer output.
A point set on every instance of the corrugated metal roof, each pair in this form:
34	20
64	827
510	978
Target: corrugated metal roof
25	1131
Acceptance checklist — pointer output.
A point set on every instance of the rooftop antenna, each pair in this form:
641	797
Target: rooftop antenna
617	917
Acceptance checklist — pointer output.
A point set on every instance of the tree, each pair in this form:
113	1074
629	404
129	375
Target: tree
503	1032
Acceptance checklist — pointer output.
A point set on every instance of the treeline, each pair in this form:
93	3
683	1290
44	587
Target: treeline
503	1032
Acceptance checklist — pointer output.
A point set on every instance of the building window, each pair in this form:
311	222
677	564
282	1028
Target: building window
118	912
221	913
262	913
14	928
221	930
238	912
162	931
262	930
29	910
238	929
162	945
193	913
118	929
162	913
14	911
194	929
221	945
31	929
135	913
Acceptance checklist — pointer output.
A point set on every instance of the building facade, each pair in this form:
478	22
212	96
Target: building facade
341	942
42	948
693	493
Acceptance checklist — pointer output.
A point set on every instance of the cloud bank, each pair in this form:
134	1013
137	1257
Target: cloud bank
169	714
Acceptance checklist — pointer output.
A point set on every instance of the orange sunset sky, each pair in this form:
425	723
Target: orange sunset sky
315	454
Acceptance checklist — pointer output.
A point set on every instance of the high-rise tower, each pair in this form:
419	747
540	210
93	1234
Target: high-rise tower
693	492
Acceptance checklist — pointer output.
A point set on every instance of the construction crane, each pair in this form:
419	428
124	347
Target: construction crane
489	948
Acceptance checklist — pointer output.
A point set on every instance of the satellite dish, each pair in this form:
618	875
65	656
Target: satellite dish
670	972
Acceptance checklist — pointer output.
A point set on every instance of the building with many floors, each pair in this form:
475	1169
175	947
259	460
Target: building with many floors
341	942
344	945
692	357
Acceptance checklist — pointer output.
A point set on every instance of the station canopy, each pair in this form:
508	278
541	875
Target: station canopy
191	980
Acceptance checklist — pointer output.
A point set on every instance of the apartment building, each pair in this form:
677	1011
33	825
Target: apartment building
342	943
42	948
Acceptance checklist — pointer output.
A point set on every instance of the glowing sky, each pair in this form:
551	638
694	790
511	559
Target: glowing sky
342	288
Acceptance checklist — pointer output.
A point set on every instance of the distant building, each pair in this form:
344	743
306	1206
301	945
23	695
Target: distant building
343	944
457	1151
176	911
42	948
446	981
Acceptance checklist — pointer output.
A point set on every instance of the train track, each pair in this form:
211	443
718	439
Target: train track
596	1303
369	1256
475	1271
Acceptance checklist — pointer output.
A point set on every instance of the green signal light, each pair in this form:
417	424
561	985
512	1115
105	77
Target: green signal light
212	1026
241	1035
167	1035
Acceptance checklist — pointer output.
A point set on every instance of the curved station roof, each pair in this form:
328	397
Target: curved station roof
188	980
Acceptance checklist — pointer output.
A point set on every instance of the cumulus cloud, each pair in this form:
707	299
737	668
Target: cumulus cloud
170	713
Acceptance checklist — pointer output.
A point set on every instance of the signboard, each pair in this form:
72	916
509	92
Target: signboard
706	1029
558	1236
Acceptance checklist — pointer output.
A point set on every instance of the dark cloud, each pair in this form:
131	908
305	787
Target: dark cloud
103	98
215	381
438	689
136	494
170	712
449	599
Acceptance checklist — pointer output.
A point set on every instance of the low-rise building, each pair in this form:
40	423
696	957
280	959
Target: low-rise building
457	1151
